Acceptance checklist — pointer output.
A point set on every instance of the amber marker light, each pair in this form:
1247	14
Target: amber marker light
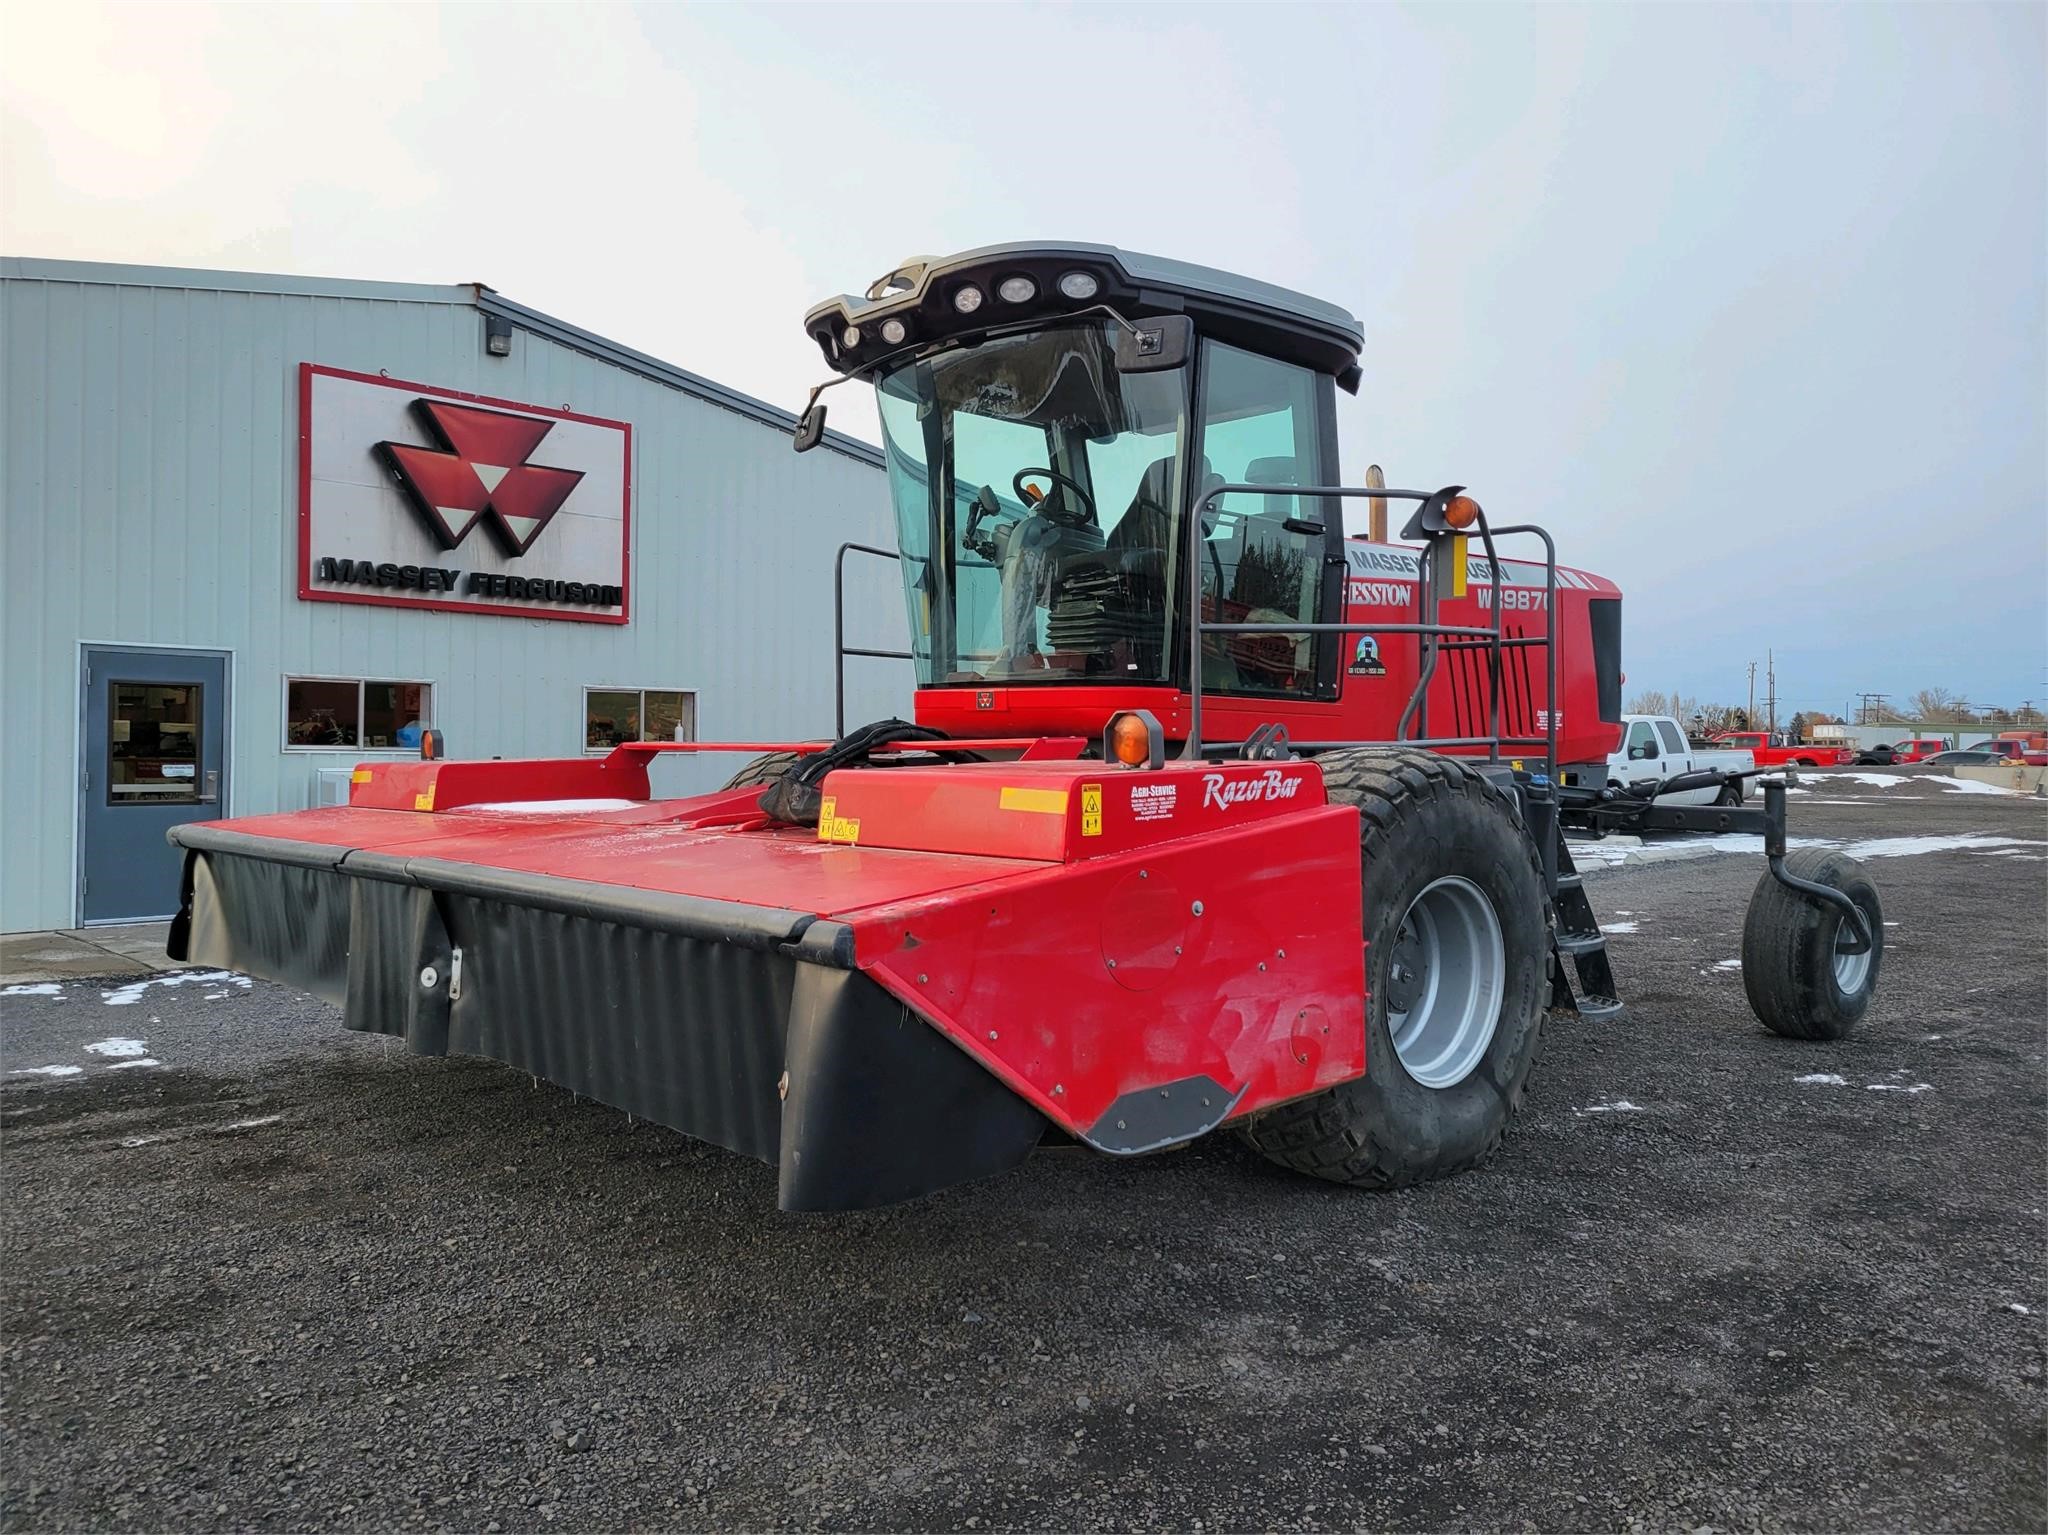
1129	739
1461	512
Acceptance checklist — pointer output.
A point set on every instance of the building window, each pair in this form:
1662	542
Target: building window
153	743
612	716
322	713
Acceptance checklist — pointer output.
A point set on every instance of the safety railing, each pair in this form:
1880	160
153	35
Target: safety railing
840	649
1435	636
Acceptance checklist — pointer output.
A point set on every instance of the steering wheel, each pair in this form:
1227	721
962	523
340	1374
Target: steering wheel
1063	515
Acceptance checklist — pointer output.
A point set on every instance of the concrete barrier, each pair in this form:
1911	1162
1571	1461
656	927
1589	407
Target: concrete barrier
2014	776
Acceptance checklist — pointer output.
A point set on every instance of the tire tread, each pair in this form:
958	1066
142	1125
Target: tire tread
1325	1135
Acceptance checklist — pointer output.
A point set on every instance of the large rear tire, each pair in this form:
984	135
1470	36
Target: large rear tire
1457	939
1800	983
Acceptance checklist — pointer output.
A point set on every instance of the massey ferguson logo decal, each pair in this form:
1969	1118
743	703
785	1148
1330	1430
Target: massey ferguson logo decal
479	473
1272	784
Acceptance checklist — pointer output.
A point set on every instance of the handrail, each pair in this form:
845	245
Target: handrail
840	651
1492	639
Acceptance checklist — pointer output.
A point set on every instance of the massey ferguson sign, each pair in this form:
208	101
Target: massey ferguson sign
417	497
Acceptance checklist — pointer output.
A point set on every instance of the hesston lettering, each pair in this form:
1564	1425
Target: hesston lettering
475	583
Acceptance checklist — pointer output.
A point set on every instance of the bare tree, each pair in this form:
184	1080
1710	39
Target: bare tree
1650	701
1936	705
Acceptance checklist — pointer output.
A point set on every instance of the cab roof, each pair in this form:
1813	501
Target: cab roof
920	292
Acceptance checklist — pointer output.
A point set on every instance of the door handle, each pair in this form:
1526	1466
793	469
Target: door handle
212	794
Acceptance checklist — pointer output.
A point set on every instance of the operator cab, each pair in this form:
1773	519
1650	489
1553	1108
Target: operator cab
1052	417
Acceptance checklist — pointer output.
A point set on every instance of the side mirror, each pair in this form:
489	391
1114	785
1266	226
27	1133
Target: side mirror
810	427
1155	345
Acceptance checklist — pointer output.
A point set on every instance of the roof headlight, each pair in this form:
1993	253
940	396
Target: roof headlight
967	299
1017	290
1079	286
850	337
893	332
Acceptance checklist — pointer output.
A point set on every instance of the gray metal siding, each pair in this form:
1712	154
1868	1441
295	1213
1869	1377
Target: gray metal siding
150	478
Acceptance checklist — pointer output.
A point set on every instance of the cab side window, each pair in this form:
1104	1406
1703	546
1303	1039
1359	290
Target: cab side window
1642	742
1261	559
1673	741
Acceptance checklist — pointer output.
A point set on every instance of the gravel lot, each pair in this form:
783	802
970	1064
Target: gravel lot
291	1277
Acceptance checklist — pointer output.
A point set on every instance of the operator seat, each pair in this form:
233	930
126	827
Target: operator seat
1271	659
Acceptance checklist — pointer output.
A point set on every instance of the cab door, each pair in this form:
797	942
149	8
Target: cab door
1643	753
1267	556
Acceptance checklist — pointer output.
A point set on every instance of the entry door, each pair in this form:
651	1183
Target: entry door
155	757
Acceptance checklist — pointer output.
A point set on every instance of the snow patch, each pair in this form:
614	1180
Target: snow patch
2013	1305
33	989
1617	927
1968	785
246	1124
129	995
1880	780
1619	1106
1727	964
1912	847
118	1046
147	1060
1821	1079
47	1071
553	806
1898	1087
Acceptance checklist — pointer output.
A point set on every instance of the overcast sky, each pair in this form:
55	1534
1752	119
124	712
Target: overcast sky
1745	303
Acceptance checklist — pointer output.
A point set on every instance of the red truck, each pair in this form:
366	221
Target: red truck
2019	746
1918	748
1758	743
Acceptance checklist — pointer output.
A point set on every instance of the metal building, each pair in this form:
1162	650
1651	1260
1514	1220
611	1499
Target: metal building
259	528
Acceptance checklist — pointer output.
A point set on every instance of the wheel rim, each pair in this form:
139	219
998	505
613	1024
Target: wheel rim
1851	970
1445	982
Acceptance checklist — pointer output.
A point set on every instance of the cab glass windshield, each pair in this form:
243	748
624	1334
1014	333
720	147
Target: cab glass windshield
1035	489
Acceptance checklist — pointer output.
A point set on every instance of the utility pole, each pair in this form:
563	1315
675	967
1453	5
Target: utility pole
1750	715
1771	678
1871	708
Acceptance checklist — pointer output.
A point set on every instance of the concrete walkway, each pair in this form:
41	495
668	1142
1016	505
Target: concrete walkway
28	958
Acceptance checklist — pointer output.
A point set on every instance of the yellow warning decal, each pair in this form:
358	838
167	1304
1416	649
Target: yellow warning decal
424	800
1044	801
834	827
1458	565
1091	809
360	775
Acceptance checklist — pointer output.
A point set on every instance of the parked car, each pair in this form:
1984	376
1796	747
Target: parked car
1920	748
1654	748
1899	753
1758	744
1967	757
2029	749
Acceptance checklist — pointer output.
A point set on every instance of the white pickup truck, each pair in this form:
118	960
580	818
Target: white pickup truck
1654	748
